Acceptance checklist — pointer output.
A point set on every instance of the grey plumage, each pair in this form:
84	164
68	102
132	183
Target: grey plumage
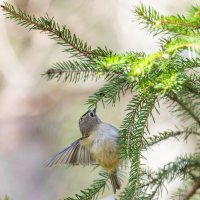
88	122
74	154
98	145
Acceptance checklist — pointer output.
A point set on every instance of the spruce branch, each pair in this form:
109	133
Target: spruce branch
154	181
127	125
94	190
152	72
193	189
193	87
158	74
147	16
182	43
156	139
157	23
186	107
193	84
110	92
74	71
192	63
72	44
136	143
183	190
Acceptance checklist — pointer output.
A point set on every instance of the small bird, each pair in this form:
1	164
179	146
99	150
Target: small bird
97	146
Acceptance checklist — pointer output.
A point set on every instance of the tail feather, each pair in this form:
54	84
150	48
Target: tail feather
116	185
74	154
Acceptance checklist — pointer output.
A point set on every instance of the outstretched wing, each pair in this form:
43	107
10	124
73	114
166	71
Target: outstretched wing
74	154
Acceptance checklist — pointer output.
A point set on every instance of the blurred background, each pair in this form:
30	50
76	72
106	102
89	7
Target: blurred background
39	117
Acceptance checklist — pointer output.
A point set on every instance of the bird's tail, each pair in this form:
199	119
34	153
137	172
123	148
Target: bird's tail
116	185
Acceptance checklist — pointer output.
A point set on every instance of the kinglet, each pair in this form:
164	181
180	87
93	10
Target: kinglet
97	146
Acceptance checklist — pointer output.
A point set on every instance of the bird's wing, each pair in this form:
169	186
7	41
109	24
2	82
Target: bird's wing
74	154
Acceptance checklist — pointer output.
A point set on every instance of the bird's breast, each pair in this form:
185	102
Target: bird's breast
105	151
103	145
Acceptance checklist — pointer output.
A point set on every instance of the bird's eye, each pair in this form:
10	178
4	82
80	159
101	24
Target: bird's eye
91	114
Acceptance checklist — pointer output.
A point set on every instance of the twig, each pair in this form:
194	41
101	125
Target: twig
193	189
177	100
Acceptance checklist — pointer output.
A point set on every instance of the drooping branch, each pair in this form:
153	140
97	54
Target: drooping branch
191	192
186	107
136	143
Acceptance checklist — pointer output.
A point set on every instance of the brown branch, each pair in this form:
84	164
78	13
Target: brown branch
193	189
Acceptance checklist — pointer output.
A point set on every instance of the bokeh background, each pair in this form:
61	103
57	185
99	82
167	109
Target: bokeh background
39	117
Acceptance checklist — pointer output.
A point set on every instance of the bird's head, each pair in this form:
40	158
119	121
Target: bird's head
88	122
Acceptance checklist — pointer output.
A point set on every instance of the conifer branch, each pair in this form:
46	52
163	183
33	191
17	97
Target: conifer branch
128	126
154	181
110	92
93	191
156	139
193	189
74	71
193	84
75	46
136	142
187	106
183	43
157	23
183	189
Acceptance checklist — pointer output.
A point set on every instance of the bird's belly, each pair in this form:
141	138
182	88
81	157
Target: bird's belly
105	152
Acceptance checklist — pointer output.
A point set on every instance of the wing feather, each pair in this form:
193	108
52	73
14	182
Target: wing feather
74	154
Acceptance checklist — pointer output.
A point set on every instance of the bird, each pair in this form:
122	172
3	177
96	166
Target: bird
98	145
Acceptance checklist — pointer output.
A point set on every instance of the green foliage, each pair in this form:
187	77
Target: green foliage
156	139
180	193
110	92
94	190
73	71
132	139
179	24
183	167
71	43
187	106
5	198
165	74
